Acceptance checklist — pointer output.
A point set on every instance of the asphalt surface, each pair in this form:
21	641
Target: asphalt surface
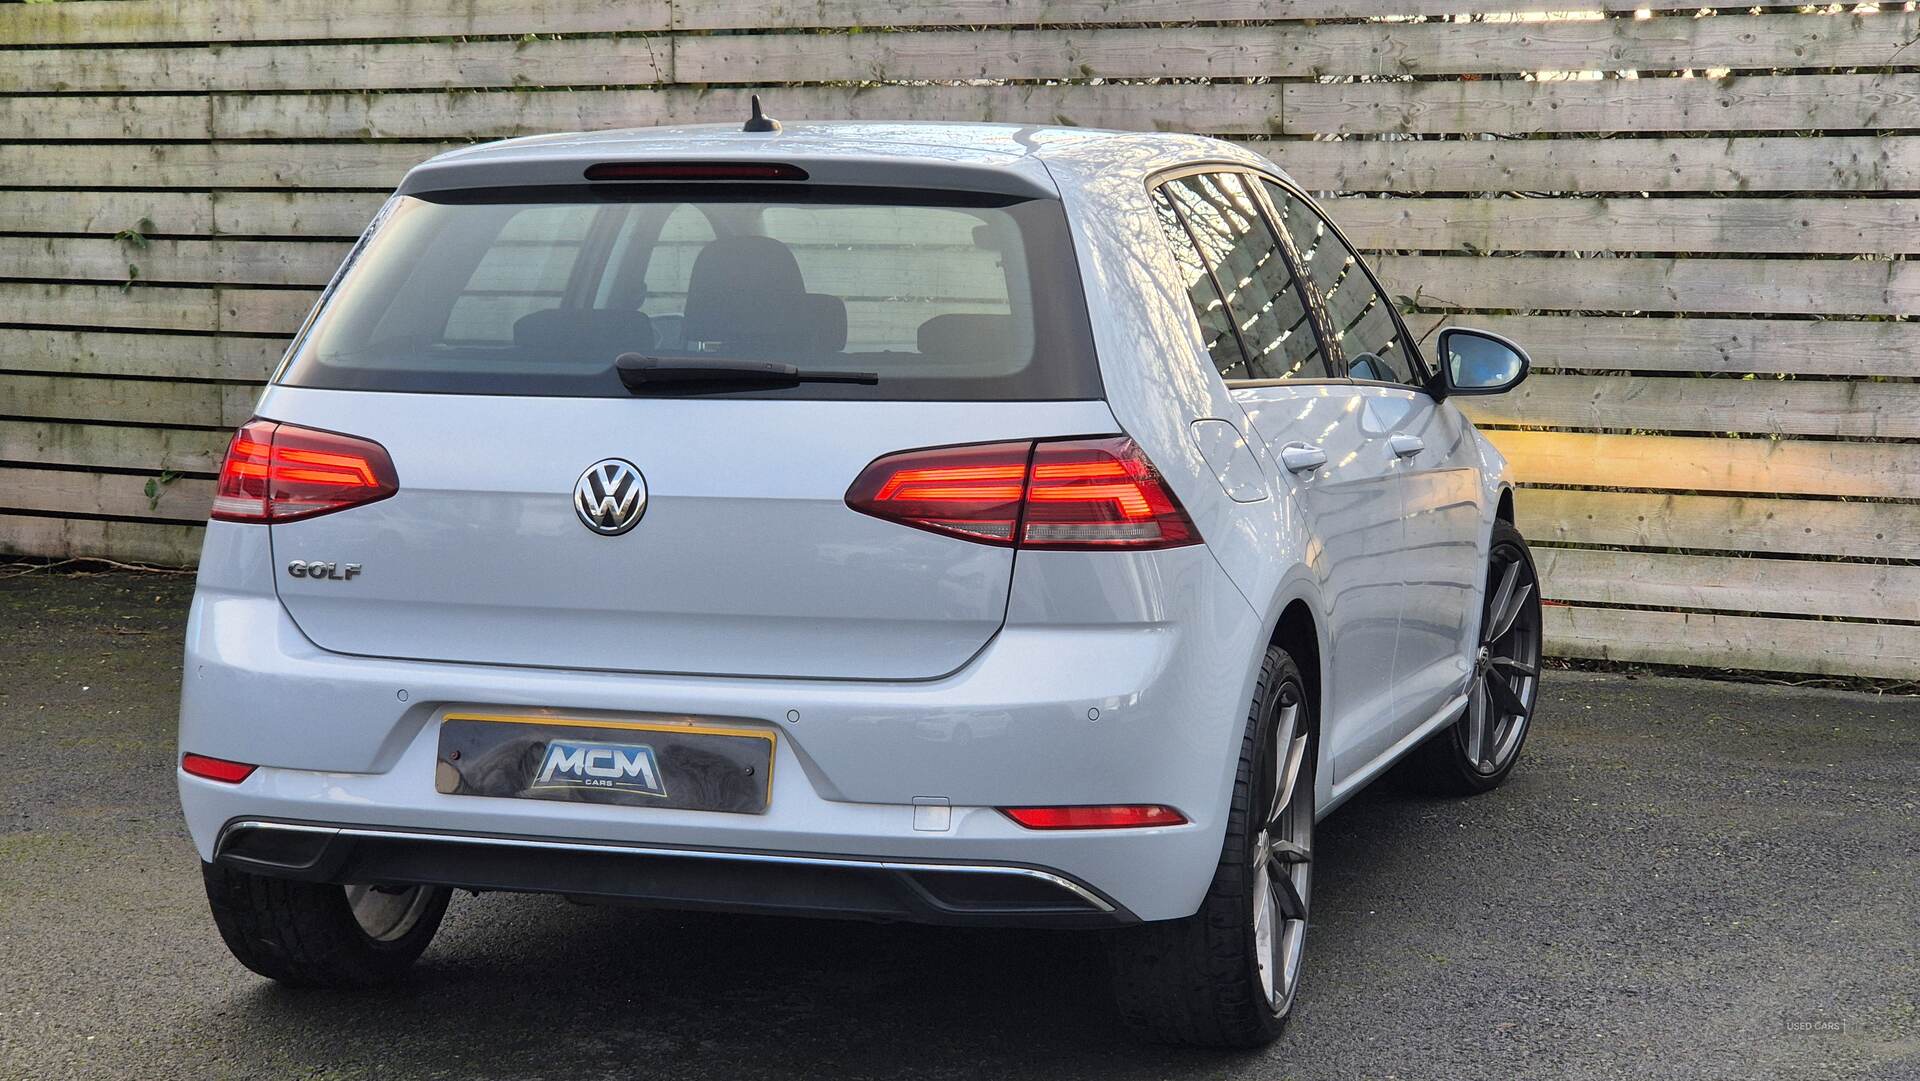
1684	879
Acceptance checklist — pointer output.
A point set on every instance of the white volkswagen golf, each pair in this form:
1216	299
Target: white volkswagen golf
956	523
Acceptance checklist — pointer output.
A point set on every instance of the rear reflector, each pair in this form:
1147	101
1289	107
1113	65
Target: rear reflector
1112	817
277	472
694	170
216	769
1075	494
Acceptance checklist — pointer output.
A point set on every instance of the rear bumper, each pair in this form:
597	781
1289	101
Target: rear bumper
1120	679
777	883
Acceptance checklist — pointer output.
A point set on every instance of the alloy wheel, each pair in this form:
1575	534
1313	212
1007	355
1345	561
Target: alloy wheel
1506	668
1283	853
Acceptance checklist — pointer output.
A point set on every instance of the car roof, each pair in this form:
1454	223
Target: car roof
1010	158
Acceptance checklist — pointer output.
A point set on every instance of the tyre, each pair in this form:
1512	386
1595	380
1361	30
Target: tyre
1477	753
1227	975
309	934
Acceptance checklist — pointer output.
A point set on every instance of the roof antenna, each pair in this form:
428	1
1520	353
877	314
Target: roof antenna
759	121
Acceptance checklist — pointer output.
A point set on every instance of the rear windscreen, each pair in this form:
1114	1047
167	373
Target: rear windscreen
951	296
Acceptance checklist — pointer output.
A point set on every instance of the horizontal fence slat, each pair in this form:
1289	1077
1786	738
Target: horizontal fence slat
1724	523
1294	50
84	352
1224	108
799	14
129	401
129	21
103	446
1747	103
1657	105
184	499
1234	52
420	65
150	307
1759	164
1708	464
189	213
165	545
1853	409
1798	346
1730	583
365	166
1827	286
1826	647
1787	226
238	262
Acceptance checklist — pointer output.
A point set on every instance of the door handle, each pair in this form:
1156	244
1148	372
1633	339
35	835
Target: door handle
1406	446
1302	457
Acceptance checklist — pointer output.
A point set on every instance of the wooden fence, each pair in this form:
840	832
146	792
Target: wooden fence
1700	225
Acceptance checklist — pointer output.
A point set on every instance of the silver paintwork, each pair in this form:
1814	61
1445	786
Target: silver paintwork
922	665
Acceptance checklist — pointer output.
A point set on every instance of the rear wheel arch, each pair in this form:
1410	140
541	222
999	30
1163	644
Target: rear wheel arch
1504	511
1298	632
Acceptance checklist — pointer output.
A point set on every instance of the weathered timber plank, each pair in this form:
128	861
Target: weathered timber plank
1886	651
172	356
1706	464
1854	409
1613	343
1658	284
1744	165
111	447
1730	583
163	545
127	401
185	499
1726	523
1786	226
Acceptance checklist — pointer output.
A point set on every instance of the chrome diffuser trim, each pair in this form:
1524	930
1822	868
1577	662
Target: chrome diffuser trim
1058	881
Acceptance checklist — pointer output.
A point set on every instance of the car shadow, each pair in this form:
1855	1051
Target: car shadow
525	986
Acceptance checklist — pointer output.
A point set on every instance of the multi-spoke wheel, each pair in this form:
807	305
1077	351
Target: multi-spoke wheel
1477	753
1227	975
1282	854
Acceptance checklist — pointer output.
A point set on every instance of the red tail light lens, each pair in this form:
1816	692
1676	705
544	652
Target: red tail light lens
1116	817
216	769
1064	494
280	472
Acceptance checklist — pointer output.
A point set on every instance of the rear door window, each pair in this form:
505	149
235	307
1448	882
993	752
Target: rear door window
1365	328
944	295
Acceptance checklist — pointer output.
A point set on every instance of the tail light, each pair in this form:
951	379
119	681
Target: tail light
1112	817
1059	494
277	472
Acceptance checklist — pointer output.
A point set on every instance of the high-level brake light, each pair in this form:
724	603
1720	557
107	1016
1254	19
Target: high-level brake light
277	472
1077	494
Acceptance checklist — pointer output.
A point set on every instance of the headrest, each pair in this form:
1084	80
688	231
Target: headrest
962	337
826	321
595	333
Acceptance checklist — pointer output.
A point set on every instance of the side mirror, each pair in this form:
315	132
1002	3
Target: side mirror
1479	362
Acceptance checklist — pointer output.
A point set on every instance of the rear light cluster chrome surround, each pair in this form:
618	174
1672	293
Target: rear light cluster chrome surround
1066	494
278	472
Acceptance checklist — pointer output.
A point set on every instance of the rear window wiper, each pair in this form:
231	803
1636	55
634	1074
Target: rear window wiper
640	373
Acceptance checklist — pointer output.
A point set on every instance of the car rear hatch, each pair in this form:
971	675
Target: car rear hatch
474	338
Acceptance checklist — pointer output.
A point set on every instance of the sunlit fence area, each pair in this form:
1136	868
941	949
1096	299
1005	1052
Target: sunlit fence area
1700	222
